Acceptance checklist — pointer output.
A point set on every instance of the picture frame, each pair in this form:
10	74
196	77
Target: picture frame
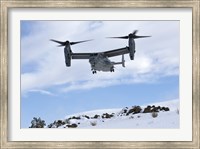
5	5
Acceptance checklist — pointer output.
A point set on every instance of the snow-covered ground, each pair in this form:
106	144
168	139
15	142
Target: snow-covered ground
123	118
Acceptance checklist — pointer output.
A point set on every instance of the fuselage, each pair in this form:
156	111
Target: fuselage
100	62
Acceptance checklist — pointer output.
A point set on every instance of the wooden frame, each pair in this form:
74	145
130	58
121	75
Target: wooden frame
6	4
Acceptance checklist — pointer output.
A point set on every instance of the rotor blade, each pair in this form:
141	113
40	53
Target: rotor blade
122	37
60	45
135	32
60	42
135	37
73	43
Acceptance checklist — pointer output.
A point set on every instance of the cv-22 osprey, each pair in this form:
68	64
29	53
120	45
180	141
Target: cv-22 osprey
100	60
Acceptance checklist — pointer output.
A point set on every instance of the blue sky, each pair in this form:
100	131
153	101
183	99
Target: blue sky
51	91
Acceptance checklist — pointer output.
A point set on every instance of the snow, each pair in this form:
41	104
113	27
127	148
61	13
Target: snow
164	119
172	104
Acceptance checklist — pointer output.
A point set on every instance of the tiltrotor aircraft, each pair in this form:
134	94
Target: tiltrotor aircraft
100	60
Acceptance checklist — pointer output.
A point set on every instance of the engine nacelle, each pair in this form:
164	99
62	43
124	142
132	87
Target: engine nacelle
131	43
67	52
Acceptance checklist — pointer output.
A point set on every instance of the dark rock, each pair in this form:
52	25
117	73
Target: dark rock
74	117
60	122
123	111
106	115
134	110
147	109
56	124
72	126
50	125
86	116
165	108
150	109
96	116
148	106
154	109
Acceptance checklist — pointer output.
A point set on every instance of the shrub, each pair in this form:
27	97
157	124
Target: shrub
134	110
96	116
86	116
147	109
72	125
177	111
93	123
106	115
165	109
37	123
154	114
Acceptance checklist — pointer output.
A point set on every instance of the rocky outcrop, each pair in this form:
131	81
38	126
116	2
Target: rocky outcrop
74	121
72	125
150	109
134	110
106	115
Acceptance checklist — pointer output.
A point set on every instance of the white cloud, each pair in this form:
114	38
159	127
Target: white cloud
42	92
156	57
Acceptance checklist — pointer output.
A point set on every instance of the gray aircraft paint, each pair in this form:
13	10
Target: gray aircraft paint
100	61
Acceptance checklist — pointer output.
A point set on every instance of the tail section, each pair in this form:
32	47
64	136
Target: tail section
121	63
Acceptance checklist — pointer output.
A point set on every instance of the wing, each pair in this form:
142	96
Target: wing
82	55
110	53
117	52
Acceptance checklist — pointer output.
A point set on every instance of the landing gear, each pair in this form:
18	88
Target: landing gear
112	70
94	71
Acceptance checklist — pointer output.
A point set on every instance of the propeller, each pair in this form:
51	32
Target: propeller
131	35
67	42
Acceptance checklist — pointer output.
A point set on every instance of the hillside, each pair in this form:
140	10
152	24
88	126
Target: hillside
156	115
